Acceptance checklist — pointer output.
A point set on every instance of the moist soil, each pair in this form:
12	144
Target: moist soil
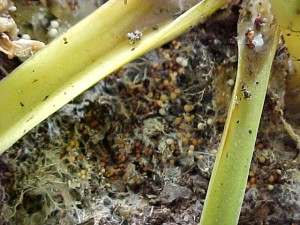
139	146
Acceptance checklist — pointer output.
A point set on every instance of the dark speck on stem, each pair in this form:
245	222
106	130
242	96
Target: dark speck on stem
45	97
65	40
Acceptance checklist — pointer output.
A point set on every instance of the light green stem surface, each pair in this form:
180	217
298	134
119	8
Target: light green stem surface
229	177
287	14
85	54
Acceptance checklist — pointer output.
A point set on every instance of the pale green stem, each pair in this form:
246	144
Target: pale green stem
85	54
229	177
287	14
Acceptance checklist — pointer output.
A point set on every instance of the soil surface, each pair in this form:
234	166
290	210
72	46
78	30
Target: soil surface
139	147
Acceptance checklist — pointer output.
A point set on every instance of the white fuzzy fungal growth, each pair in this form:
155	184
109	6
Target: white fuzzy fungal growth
258	40
261	19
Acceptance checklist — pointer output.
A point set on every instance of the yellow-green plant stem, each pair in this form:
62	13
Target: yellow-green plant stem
287	14
229	177
85	54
